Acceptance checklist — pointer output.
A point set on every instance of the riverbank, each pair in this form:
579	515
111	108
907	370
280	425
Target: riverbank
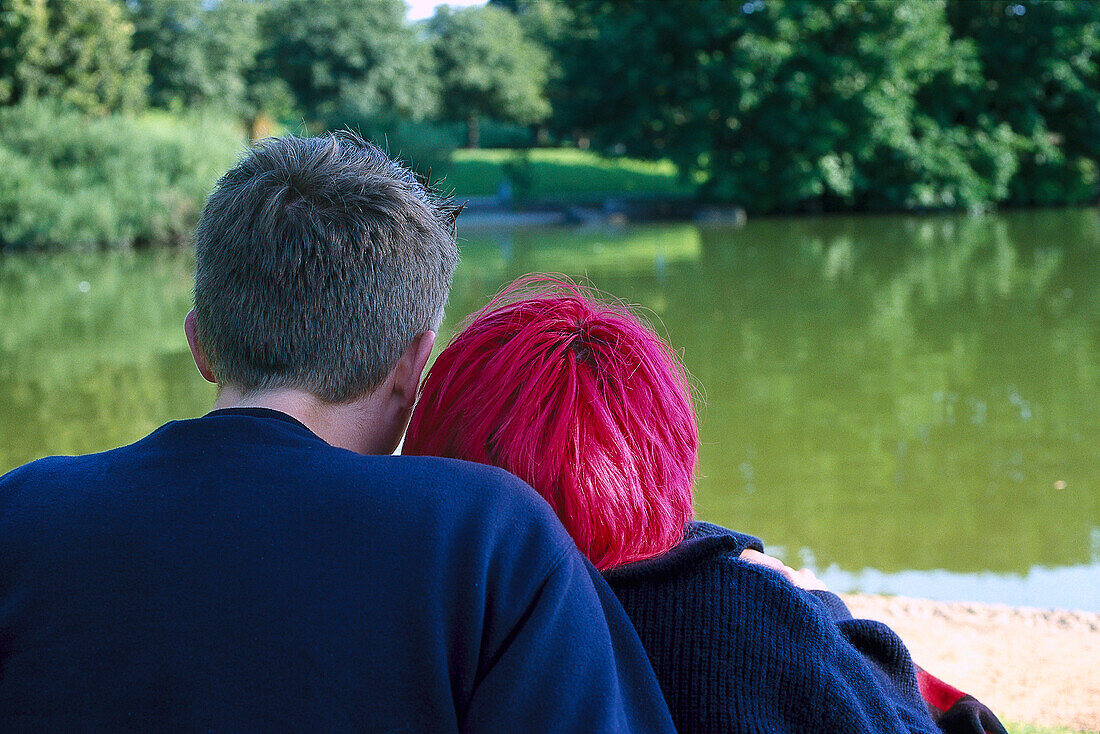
1034	666
493	212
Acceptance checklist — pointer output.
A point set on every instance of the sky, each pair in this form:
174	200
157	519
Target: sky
420	9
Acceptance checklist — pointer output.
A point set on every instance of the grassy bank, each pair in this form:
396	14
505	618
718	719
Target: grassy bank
1037	729
117	181
556	174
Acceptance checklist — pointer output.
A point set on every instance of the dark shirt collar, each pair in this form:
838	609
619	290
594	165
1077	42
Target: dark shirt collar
267	413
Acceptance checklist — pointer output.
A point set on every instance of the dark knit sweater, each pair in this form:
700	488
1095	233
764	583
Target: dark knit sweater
738	648
235	573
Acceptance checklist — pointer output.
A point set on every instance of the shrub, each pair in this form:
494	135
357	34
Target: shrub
505	135
422	144
115	181
428	144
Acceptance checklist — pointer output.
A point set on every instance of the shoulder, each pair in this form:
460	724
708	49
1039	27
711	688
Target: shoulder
486	491
716	590
708	562
751	609
431	473
466	507
739	613
44	476
28	472
41	502
48	467
456	485
703	544
765	594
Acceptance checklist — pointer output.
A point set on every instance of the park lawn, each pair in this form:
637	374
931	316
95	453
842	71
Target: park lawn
558	174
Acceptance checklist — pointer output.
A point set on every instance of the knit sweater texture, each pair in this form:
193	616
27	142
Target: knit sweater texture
738	648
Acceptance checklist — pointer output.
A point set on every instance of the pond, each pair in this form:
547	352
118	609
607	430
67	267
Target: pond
904	404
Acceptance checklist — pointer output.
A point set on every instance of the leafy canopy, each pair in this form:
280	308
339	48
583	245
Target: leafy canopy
78	51
354	56
200	53
487	66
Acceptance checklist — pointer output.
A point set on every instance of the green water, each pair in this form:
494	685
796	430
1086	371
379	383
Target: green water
904	404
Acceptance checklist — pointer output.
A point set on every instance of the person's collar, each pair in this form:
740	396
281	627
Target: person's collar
256	412
357	425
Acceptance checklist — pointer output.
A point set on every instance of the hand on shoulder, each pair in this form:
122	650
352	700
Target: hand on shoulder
803	579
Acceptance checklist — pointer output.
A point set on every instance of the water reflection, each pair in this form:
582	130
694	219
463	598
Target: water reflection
91	351
895	393
915	396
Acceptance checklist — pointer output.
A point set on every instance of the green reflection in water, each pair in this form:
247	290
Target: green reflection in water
885	392
92	353
895	393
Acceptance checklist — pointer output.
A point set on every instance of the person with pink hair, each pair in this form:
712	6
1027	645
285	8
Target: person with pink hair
577	397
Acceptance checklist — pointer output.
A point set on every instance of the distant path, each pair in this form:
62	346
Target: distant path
1032	666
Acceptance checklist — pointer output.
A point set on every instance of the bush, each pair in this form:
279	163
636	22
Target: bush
428	144
504	135
114	181
419	143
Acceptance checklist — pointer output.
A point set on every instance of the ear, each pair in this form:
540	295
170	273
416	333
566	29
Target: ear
407	373
196	351
397	395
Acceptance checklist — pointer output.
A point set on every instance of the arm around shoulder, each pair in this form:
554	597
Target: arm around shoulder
806	671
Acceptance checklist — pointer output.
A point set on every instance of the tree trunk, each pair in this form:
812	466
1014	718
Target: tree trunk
473	132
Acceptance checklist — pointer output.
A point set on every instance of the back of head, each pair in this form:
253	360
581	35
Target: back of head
318	260
580	400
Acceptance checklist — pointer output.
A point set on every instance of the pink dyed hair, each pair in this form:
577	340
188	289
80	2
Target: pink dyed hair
579	399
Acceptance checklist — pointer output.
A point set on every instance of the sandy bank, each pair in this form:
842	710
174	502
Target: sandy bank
1037	666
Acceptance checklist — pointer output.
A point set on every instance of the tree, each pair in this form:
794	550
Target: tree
488	67
200	52
356	57
783	105
1041	67
550	24
76	50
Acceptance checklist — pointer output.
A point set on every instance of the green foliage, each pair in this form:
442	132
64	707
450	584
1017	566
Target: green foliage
200	53
350	58
497	134
488	67
786	105
75	181
428	144
1041	75
78	51
422	144
775	105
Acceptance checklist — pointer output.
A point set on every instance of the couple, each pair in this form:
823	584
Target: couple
270	567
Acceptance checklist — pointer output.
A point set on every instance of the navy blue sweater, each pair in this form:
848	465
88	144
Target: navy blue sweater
738	648
236	573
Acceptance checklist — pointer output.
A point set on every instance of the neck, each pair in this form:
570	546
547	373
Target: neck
353	425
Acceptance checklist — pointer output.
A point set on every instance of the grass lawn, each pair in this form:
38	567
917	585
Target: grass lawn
559	174
1036	729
